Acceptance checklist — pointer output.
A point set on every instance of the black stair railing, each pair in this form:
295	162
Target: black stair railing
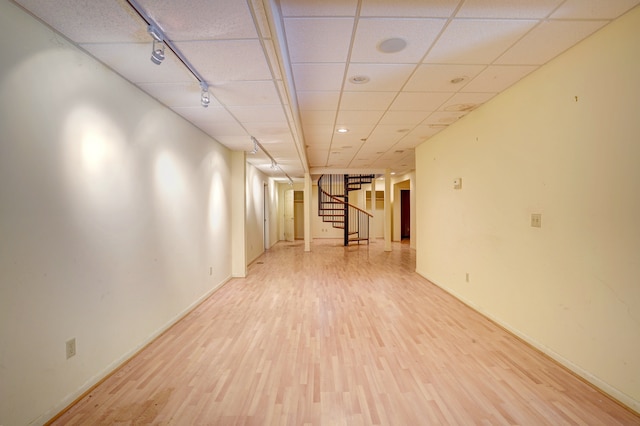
334	207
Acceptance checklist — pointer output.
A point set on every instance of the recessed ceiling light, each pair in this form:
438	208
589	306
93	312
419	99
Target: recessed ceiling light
359	79
392	45
342	130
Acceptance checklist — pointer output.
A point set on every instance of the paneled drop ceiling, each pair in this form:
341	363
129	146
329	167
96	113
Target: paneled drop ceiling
291	73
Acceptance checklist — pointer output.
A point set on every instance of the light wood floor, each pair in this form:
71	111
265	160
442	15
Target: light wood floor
340	336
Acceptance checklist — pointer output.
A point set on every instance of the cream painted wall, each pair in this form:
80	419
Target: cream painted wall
564	142
238	190
273	202
255	212
320	229
114	219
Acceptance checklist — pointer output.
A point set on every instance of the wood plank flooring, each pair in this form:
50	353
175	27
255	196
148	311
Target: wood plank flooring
340	336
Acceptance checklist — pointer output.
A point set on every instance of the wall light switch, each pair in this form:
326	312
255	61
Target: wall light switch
536	220
457	183
70	346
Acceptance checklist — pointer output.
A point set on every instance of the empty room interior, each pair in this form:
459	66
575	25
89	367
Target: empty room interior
319	212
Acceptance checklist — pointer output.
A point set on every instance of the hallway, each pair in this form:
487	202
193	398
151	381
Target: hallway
340	336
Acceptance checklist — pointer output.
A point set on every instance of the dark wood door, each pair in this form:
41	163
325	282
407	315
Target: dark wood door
405	213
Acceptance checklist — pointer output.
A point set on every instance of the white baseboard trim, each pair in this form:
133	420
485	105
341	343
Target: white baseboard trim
111	368
600	384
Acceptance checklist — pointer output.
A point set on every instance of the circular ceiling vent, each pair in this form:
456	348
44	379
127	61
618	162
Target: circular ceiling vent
392	45
359	79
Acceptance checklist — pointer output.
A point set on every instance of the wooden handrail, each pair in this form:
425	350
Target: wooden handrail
345	203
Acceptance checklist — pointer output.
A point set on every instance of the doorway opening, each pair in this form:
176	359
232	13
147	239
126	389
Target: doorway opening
405	214
298	215
265	217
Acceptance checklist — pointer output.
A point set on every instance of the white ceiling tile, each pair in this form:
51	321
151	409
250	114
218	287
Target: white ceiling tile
383	77
91	22
471	41
419	101
202	20
314	100
346	118
443	118
404	118
317	142
318	76
177	95
316	8
419	34
224	60
224	129
366	100
497	78
593	9
513	9
548	40
269	132
372	150
409	8
387	134
133	62
318	39
246	93
259	114
438	78
318	117
356	132
317	157
212	114
465	102
321	133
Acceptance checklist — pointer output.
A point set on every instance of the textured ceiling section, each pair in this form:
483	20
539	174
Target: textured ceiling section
228	42
394	73
291	73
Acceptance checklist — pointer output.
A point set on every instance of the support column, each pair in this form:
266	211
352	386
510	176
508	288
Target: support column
372	224
307	212
346	210
387	210
238	214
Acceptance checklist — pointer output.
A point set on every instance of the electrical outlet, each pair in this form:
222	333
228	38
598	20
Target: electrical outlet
467	277
210	270
71	347
536	220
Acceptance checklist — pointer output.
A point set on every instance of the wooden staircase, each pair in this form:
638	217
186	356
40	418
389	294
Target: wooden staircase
334	207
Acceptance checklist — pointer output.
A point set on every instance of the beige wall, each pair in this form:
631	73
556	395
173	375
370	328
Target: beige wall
564	143
114	219
255	212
